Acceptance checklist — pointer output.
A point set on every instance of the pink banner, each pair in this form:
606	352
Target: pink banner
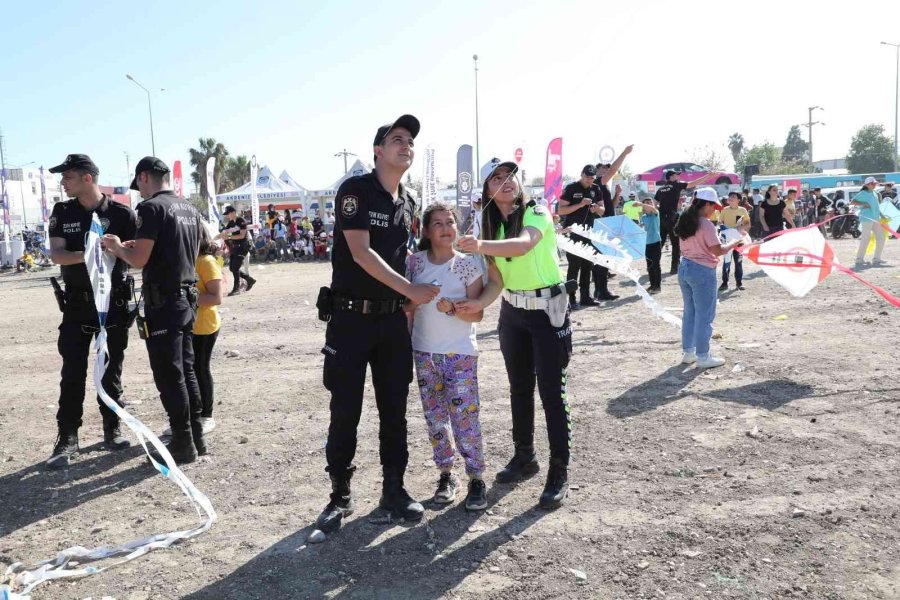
178	182
554	174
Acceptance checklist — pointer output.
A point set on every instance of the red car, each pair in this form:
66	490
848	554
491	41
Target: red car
688	172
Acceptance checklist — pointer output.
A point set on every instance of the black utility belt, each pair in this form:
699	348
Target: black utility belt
368	307
155	296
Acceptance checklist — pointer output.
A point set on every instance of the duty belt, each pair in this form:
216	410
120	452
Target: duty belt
533	299
368	307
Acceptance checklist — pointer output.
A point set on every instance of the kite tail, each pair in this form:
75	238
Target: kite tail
620	266
58	567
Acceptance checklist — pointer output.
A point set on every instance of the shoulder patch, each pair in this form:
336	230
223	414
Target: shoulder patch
539	210
52	224
138	221
349	206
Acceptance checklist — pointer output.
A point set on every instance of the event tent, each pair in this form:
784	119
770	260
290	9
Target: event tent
269	190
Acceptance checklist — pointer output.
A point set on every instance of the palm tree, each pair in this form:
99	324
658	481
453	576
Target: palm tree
736	145
208	147
237	172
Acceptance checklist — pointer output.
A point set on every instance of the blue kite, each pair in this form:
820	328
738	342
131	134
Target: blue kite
631	236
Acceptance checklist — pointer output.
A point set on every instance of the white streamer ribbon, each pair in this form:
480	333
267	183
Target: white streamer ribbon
619	265
99	265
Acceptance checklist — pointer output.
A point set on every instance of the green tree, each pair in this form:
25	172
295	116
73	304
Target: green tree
870	151
237	173
736	146
795	147
208	147
766	155
709	157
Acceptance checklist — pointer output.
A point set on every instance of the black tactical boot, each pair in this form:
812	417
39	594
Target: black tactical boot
341	503
65	449
112	433
557	486
395	499
181	447
524	464
198	437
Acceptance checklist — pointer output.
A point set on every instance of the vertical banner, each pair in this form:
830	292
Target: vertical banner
518	156
45	212
4	200
254	200
464	182
213	217
554	174
178	184
429	181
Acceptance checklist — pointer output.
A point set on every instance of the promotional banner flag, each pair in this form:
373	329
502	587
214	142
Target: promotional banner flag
553	174
45	213
4	200
178	183
214	217
464	181
429	181
254	199
518	156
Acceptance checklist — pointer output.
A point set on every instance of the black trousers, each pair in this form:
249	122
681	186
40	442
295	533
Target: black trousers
653	254
738	260
354	341
601	279
171	351
203	347
534	350
76	347
236	263
579	270
667	230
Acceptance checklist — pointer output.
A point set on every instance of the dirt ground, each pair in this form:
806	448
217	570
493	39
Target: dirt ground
775	476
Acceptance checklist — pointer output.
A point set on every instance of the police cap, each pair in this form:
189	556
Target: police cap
148	164
77	161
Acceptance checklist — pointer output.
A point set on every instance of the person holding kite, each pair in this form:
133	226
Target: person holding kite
869	221
700	252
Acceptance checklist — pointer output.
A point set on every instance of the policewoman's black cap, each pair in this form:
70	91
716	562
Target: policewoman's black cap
148	163
589	170
228	210
669	173
76	161
408	122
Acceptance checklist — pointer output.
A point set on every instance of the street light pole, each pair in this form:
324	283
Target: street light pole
896	99
150	110
810	126
345	154
477	167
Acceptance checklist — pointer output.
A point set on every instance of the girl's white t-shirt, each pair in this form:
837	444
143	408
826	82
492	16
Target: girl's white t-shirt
434	331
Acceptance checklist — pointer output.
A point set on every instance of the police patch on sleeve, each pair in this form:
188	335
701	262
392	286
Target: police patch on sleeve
539	210
138	221
52	223
349	206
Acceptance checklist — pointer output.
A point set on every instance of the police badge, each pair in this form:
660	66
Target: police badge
349	206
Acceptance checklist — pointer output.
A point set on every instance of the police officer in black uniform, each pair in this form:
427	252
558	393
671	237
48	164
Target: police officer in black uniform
238	241
367	325
667	196
580	204
69	224
166	246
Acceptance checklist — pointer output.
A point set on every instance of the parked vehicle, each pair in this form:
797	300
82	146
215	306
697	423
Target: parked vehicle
687	172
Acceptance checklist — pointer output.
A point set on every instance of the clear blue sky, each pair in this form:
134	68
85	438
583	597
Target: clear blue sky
295	82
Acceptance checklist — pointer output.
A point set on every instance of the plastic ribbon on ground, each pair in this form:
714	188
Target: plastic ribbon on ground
620	265
800	259
73	562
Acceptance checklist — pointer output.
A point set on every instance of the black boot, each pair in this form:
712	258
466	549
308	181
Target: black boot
181	447
250	283
557	486
65	449
341	503
573	304
112	433
395	499
197	436
586	300
524	464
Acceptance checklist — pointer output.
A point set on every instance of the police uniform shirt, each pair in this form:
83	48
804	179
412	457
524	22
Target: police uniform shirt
174	226
609	208
241	246
71	222
363	204
667	196
574	194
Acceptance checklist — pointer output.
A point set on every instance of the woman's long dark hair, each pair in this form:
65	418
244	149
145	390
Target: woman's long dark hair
207	245
425	242
769	189
492	218
689	221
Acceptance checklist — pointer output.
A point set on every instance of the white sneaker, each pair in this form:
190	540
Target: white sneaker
710	362
208	424
689	358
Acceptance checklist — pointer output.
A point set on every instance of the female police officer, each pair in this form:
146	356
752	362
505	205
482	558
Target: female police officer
367	325
519	241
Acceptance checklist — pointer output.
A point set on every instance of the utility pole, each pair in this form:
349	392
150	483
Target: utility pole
477	145
127	167
809	125
149	109
345	154
896	100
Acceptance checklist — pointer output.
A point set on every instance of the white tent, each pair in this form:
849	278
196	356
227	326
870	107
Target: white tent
268	187
286	178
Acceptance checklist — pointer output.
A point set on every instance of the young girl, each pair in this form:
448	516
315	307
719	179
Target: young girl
446	354
519	242
700	252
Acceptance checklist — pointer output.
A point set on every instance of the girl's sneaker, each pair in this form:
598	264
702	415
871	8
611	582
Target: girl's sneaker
446	490
689	358
208	424
477	497
710	362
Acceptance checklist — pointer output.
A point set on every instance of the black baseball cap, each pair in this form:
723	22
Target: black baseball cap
228	210
408	122
77	161
589	170
148	163
670	172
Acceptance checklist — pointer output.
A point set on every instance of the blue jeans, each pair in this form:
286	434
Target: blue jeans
698	289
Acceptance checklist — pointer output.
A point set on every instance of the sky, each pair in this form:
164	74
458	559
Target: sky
296	82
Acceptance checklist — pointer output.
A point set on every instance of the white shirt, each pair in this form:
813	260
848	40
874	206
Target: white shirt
433	331
757	199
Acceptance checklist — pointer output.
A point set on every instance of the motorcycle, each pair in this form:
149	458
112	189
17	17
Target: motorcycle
847	221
